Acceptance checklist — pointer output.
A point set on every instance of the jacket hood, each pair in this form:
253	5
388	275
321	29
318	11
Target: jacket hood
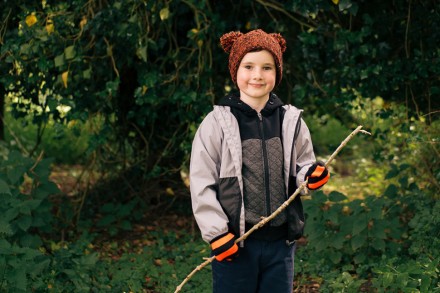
233	101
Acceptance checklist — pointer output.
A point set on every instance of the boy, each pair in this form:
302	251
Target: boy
248	155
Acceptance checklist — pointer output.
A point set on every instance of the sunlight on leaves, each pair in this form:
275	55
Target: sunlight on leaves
64	77
164	14
83	22
31	20
50	28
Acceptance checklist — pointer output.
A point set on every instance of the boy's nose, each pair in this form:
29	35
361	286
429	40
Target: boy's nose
257	73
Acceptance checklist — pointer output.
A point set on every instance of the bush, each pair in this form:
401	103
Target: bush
26	219
66	143
159	266
389	239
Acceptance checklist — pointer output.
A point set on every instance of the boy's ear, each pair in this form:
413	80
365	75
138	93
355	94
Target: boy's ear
227	40
280	41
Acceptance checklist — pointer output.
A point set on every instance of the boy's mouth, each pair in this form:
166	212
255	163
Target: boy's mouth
257	85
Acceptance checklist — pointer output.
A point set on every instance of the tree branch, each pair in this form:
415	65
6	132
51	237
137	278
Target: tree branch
275	213
282	10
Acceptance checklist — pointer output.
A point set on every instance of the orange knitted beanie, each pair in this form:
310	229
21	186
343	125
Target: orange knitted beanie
238	44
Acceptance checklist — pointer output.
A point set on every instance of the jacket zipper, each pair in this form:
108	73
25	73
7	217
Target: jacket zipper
265	164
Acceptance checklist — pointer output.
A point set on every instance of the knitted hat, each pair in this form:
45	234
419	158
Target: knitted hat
238	44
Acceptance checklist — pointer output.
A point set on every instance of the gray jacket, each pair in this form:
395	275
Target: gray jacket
215	172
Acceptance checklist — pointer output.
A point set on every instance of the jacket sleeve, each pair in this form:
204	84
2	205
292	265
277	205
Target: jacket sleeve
204	179
305	155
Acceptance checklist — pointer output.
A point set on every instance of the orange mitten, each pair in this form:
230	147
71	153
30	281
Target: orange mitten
318	175
224	247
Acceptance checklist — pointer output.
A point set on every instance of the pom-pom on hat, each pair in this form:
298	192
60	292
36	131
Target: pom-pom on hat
238	44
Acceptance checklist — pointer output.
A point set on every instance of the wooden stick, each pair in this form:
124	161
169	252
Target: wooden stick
344	142
277	211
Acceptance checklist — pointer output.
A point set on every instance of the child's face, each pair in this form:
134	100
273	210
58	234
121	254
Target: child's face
256	76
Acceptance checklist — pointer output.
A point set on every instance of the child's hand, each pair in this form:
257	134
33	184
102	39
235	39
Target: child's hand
318	175
224	247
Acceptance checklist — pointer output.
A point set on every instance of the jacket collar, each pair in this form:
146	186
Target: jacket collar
233	100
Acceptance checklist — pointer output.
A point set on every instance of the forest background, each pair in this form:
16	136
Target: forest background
99	102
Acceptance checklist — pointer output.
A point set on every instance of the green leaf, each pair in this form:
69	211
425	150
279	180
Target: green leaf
87	74
5	246
338	241
335	257
108	208
359	225
393	172
9	59
321	243
391	191
376	211
319	197
5	228
15	174
43	64
425	283
379	244
29	253
39	267
314	232
346	226
333	216
359	258
25	49
21	279
29	205
89	260
164	13
378	230
403	182
11	213
126	225
402	280
24	222
43	169
126	209
358	241
354	9
40	193
33	241
59	60
69	52
107	220
344	4
336	196
48	188
142	53
4	188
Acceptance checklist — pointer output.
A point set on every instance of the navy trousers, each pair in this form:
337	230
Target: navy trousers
262	266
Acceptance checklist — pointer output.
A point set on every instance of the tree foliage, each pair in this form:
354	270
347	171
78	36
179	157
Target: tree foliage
152	69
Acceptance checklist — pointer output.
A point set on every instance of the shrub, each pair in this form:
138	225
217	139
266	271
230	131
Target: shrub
388	240
26	218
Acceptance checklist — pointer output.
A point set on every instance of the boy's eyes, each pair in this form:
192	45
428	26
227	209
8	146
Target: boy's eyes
264	67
